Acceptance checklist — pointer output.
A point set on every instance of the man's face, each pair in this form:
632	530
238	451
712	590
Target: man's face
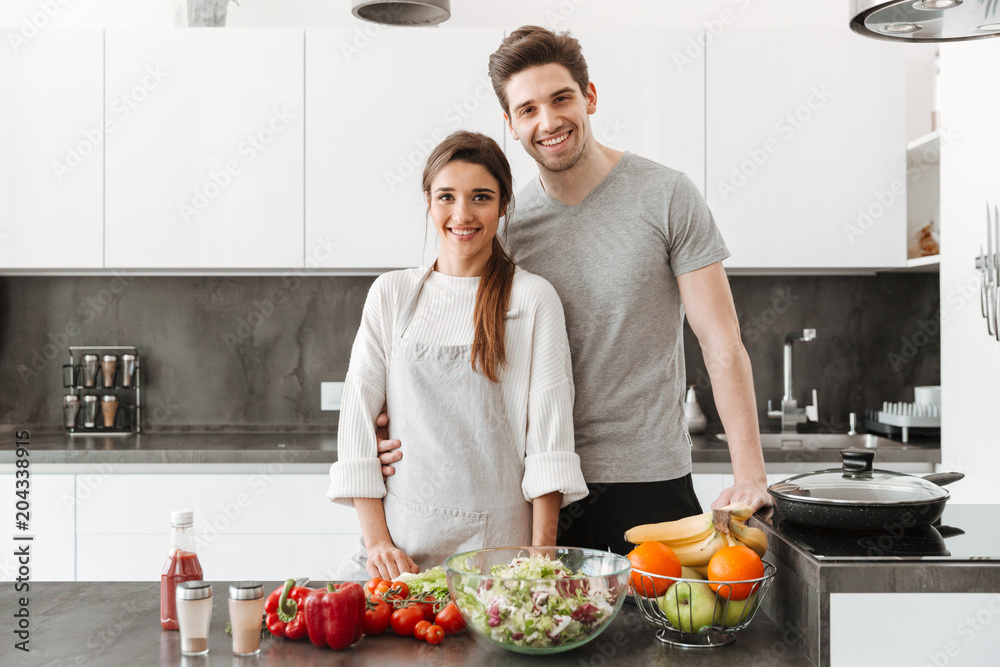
549	115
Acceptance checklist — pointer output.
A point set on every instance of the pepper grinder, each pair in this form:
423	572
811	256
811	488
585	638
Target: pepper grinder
90	366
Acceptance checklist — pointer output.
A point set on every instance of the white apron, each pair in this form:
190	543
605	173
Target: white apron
458	486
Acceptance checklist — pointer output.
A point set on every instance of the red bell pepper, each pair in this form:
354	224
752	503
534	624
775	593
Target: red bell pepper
285	609
335	615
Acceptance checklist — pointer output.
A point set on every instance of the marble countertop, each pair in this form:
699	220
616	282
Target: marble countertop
315	447
118	623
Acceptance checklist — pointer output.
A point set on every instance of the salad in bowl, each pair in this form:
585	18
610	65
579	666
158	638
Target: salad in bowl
538	599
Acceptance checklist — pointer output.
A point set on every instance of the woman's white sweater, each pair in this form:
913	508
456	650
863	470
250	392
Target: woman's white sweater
536	385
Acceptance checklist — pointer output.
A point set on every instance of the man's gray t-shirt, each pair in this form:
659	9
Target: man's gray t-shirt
613	259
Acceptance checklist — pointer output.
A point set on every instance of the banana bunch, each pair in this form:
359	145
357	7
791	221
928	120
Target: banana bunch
695	539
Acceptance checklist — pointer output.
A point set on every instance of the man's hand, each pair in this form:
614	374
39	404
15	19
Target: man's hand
386	447
753	495
386	561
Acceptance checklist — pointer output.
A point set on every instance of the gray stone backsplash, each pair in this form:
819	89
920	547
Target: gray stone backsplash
241	352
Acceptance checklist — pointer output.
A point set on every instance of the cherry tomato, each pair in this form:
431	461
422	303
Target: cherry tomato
420	630
428	608
392	590
377	616
450	619
373	584
405	619
435	635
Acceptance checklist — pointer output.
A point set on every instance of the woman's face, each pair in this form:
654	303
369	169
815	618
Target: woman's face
464	202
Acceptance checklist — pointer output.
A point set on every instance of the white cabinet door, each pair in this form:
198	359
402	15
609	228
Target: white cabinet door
373	116
806	147
707	486
649	100
50	523
51	149
258	526
205	165
260	557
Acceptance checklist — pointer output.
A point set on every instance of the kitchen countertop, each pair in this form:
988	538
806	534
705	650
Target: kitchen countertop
77	623
312	447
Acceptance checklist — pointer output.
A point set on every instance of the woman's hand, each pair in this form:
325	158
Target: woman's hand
388	562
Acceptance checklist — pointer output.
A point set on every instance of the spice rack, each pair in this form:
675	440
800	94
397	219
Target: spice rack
128	415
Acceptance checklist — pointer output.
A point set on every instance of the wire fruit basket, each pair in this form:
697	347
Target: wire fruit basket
694	616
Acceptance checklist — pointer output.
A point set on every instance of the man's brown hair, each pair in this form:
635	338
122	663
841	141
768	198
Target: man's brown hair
531	46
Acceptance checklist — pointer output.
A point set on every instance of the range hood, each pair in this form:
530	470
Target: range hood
403	12
926	20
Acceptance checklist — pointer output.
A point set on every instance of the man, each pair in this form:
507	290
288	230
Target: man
630	246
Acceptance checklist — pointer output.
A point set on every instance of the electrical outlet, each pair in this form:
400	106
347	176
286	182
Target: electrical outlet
330	394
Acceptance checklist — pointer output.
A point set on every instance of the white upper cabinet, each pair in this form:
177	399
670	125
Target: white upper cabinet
650	99
806	147
375	108
51	148
205	164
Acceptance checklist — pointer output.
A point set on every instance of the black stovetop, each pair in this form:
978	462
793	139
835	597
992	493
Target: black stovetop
965	532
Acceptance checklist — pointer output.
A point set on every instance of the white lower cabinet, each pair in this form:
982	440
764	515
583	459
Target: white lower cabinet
248	526
236	557
50	523
708	487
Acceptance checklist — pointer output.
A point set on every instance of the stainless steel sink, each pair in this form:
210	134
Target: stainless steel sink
807	441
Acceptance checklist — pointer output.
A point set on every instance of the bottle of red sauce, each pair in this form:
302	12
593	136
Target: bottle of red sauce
182	565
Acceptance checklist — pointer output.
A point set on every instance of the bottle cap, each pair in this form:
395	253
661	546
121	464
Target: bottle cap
194	590
246	590
182	517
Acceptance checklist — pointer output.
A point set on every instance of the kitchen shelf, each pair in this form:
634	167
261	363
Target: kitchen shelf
930	264
929	142
923	198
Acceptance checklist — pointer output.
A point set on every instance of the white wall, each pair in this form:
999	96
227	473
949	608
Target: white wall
970	176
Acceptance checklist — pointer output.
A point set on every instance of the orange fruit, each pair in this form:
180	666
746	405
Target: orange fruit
735	563
653	558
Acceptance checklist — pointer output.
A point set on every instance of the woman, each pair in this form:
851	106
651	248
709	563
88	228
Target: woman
472	359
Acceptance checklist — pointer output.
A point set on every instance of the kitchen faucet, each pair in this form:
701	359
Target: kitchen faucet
790	412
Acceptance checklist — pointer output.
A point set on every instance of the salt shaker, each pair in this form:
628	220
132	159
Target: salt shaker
194	614
246	609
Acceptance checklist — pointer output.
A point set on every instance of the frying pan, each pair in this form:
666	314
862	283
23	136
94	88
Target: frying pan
859	497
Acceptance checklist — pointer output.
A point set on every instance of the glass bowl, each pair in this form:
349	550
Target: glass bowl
693	615
538	615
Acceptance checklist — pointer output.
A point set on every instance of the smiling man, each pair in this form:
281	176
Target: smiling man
630	247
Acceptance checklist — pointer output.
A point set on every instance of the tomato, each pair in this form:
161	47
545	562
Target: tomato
450	619
428	608
435	635
377	615
373	584
420	630
405	619
392	590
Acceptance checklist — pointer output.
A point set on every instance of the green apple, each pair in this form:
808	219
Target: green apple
689	606
688	573
737	609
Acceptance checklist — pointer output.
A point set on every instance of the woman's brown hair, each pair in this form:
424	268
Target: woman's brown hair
493	295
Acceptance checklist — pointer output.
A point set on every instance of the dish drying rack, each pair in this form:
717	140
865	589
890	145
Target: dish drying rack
908	415
923	413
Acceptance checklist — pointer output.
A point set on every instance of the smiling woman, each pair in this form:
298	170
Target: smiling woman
460	353
468	185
